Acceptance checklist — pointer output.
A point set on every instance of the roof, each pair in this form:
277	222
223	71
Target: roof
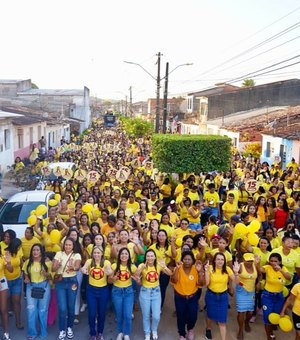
224	88
10	81
31	196
52	92
27	120
283	123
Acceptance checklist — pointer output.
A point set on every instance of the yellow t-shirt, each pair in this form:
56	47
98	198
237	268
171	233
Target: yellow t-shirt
194	219
169	230
296	292
275	281
27	245
263	256
134	207
218	281
97	276
211	230
63	257
162	253
16	264
124	275
229	209
150	216
179	233
290	261
150	276
248	279
46	241
211	198
35	271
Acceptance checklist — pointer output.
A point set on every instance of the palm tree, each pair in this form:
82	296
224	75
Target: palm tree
248	83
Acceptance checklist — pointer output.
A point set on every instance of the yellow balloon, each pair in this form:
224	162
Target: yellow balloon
253	239
32	212
285	324
287	317
31	220
87	208
41	209
57	197
55	236
240	228
52	203
254	226
274	318
285	292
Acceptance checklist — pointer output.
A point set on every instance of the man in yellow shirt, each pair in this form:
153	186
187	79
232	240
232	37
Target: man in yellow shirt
229	208
211	199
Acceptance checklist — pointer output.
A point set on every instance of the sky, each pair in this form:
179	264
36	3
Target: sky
64	44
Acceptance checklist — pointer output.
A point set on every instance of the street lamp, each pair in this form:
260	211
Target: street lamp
165	110
158	79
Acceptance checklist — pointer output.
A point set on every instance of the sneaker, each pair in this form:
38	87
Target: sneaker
120	336
93	337
6	336
70	334
208	335
126	337
190	335
154	335
100	337
61	335
83	307
182	337
76	321
147	336
253	319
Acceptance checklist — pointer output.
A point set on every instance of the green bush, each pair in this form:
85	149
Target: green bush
136	127
191	153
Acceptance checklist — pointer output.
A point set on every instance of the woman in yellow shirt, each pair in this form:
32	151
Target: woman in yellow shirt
217	278
122	292
150	298
5	263
98	270
262	211
12	246
166	190
194	216
245	274
272	297
37	273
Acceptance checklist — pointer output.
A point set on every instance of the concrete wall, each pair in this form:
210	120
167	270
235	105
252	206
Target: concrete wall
296	151
10	88
6	149
275	94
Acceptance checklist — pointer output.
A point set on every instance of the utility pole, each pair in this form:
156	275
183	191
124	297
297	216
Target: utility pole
126	111
130	101
157	114
165	112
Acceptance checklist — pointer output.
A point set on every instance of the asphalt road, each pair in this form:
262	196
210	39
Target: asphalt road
167	328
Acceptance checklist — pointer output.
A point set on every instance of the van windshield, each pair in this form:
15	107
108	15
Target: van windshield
17	212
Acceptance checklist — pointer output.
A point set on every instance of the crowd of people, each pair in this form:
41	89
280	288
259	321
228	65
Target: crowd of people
119	234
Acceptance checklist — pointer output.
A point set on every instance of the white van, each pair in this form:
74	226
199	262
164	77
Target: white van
16	209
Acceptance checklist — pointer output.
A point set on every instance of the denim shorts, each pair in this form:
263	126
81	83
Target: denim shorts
15	286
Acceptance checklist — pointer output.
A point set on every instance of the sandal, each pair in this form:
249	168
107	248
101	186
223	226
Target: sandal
20	326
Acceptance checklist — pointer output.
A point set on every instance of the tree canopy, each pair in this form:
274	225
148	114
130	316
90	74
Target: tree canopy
136	127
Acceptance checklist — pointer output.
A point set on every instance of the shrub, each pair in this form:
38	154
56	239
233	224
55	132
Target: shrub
191	153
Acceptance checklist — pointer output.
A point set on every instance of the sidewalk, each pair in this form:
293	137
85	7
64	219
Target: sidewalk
8	188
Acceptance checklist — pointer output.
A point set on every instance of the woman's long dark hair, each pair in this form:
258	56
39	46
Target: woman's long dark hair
129	262
155	261
76	244
224	269
43	259
14	246
166	246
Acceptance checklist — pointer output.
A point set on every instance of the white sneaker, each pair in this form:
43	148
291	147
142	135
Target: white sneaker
120	336
83	307
70	334
61	335
126	337
6	336
147	336
154	335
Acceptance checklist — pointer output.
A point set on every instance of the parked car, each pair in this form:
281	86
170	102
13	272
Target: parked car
15	211
52	177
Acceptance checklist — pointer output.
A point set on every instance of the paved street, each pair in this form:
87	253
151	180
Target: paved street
167	327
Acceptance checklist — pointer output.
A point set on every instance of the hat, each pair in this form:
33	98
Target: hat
216	236
248	257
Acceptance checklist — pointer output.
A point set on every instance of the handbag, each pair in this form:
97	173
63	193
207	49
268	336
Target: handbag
37	292
58	277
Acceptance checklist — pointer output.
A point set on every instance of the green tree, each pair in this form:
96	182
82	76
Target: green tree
34	86
191	153
136	127
248	83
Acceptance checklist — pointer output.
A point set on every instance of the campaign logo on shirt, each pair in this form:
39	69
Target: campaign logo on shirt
97	273
152	276
123	275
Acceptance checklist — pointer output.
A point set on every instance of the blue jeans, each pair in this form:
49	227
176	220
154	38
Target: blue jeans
195	226
37	309
187	312
123	299
97	298
66	291
150	301
164	280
